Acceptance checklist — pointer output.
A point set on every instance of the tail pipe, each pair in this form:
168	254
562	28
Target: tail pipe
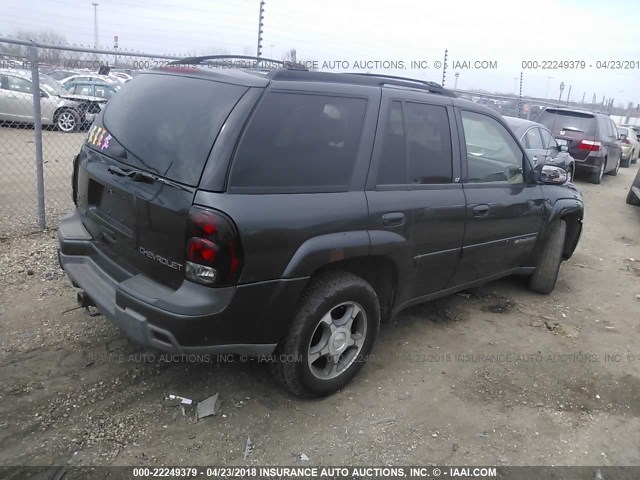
84	300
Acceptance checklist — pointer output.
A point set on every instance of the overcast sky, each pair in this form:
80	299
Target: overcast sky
507	32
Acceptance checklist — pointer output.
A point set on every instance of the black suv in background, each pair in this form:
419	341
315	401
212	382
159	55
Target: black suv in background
289	212
592	139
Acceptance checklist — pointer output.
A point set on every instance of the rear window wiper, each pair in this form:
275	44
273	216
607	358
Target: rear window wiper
139	176
572	129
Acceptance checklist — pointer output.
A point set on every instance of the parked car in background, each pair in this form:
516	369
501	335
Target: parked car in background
630	146
66	111
636	128
592	139
183	232
94	89
60	74
541	146
92	78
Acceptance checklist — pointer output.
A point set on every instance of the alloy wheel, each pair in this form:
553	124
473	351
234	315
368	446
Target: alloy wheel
337	340
66	121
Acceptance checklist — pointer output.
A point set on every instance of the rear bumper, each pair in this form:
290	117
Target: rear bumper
245	319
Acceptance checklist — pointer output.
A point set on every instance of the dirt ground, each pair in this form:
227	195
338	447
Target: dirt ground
496	376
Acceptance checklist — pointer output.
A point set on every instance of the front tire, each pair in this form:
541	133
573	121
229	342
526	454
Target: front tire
68	121
333	330
543	280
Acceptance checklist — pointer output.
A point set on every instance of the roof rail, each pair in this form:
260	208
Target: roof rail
408	82
202	59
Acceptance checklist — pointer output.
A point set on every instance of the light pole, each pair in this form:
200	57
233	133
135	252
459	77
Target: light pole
260	26
95	25
546	95
455	83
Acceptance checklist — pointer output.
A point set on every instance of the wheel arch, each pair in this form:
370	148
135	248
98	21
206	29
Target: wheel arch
350	252
378	271
572	212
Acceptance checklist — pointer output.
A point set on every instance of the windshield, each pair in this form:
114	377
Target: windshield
51	86
169	122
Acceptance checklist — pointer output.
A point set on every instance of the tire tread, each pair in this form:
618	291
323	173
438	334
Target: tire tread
543	280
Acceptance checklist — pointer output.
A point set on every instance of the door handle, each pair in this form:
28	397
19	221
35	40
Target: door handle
481	210
535	157
393	218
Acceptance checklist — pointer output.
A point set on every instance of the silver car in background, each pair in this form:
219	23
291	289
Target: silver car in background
59	108
630	146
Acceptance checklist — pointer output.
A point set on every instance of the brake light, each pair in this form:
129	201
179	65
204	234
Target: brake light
626	140
589	145
214	255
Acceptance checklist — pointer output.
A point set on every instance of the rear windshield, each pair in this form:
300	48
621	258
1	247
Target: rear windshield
169	122
556	120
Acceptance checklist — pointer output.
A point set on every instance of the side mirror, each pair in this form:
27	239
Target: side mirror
564	148
43	94
551	174
622	136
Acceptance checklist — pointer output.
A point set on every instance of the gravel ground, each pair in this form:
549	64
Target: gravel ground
498	375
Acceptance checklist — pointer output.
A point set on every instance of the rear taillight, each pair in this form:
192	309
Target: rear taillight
214	255
589	145
626	141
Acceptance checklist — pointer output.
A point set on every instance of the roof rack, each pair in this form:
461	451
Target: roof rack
408	82
202	59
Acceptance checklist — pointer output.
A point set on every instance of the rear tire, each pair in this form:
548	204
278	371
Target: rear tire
625	163
543	280
596	177
338	308
615	171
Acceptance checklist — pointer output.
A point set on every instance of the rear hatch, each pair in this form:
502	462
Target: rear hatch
137	173
571	128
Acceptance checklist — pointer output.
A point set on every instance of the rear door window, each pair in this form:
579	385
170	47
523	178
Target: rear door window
300	142
168	123
428	144
532	139
392	167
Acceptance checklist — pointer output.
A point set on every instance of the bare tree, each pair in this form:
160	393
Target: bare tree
47	55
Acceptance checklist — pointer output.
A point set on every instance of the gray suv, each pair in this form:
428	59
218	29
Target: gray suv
287	213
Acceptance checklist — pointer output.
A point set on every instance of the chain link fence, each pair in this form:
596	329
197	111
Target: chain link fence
41	134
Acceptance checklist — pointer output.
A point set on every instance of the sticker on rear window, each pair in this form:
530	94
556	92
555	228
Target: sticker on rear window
99	137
